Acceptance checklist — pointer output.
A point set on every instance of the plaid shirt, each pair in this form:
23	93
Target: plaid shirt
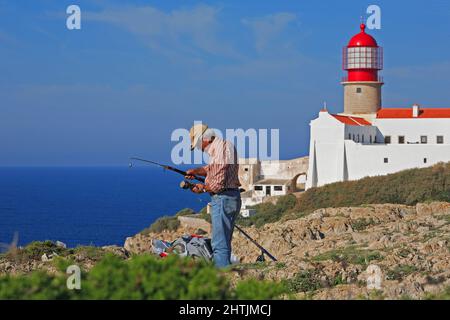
222	170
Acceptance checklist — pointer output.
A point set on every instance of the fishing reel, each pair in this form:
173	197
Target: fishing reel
186	185
261	257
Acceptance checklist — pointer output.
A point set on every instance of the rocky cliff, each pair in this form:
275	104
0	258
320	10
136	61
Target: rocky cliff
333	252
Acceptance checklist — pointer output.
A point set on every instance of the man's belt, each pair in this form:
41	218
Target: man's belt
223	190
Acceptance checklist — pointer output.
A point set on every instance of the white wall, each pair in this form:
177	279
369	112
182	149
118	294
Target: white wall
283	169
326	135
368	160
413	128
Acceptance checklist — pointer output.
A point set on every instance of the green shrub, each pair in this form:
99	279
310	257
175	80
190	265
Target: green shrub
163	223
89	252
35	250
205	216
146	277
351	255
36	286
280	265
258	290
361	224
337	280
169	223
141	277
305	281
444	295
400	272
312	280
185	212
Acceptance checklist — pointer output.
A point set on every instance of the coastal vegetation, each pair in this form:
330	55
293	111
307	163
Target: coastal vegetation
169	223
37	249
407	187
140	277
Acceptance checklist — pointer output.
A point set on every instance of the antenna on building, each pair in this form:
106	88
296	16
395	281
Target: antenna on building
324	108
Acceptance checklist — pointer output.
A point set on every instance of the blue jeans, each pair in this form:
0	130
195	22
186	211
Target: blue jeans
224	209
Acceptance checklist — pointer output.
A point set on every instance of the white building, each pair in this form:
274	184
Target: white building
368	140
267	178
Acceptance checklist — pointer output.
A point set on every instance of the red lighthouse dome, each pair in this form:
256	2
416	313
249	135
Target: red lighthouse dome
362	57
362	39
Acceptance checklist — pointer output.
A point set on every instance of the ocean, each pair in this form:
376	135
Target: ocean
87	205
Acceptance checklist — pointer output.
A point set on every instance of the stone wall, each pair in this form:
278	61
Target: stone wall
366	101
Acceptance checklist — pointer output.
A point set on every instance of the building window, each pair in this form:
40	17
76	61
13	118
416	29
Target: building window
386	160
277	188
349	136
424	160
423	139
401	139
370	139
258	188
375	139
387	139
357	139
246	169
353	137
358	90
362	139
440	139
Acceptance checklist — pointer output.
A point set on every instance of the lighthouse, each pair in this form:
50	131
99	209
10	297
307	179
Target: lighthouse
362	59
367	140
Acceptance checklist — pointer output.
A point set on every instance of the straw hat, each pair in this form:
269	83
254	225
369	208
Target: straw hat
196	133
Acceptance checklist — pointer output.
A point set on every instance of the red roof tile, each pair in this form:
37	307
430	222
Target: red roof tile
424	113
353	121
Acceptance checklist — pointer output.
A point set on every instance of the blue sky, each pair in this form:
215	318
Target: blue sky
139	69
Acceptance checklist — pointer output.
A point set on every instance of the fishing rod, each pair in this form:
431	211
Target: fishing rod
166	167
187	185
260	247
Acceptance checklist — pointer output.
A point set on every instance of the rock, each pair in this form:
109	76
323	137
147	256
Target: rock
118	251
48	257
200	232
45	258
193	223
61	244
427	209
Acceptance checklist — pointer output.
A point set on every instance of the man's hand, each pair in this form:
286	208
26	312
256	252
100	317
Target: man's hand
190	174
198	188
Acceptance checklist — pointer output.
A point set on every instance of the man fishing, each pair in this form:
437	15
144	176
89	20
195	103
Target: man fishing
222	183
